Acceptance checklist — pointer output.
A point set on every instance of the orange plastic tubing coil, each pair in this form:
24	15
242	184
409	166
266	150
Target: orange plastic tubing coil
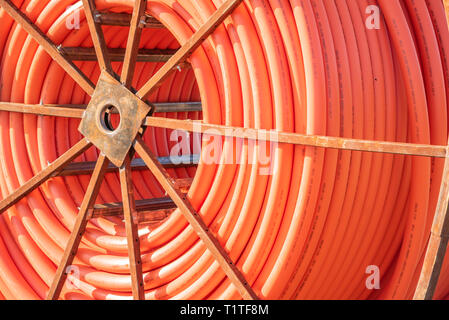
309	229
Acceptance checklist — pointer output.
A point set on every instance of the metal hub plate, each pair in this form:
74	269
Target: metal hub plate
115	144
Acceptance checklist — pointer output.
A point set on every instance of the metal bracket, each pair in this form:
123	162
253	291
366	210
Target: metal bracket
115	144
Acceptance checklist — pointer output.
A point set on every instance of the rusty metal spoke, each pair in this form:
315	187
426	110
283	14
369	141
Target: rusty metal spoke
79	228
44	175
178	107
124	20
189	47
84	168
439	236
68	111
97	36
77	75
412	149
118	54
436	248
195	220
129	211
132	46
77	110
144	205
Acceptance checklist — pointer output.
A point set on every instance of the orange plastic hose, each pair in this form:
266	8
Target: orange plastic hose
308	223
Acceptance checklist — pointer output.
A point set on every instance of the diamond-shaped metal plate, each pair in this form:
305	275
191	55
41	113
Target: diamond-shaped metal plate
114	144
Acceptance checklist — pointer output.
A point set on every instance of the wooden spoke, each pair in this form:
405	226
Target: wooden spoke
436	249
189	47
195	220
97	36
68	111
44	175
79	228
132	46
71	69
412	149
129	211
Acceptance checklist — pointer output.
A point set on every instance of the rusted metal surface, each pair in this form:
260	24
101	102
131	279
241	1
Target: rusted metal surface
118	54
132	45
195	221
145	205
173	162
436	248
68	111
153	217
77	111
71	69
178	107
97	36
124	20
299	139
183	184
78	229
189	47
115	144
44	175
147	211
132	235
86	168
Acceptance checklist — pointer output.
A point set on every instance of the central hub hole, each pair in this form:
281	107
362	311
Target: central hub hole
110	118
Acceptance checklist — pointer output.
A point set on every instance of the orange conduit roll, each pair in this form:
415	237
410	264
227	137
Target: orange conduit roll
312	222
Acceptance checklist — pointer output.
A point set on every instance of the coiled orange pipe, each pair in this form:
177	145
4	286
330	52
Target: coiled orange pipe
305	226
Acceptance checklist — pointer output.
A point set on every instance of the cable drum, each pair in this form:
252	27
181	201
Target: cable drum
310	223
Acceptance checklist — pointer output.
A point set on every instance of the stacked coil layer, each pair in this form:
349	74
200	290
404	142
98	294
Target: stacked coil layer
309	224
